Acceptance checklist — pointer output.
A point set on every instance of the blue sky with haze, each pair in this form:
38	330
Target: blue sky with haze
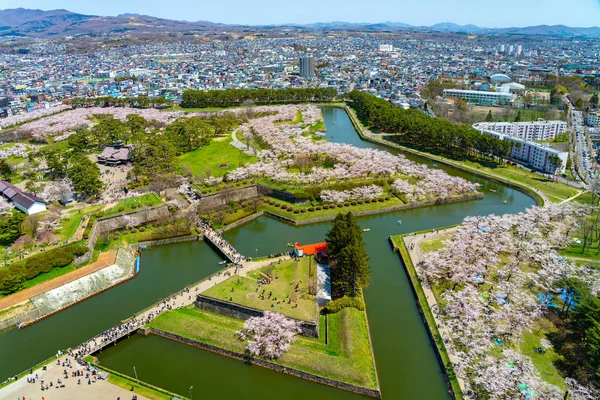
504	13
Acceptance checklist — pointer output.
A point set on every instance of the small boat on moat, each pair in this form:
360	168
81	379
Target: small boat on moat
366	229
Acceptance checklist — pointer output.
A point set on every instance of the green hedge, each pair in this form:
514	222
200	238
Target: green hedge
11	278
344	302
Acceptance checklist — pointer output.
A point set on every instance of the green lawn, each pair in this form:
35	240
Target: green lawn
544	362
61	146
69	225
346	357
284	299
319	126
133	203
574	250
434	244
212	156
555	191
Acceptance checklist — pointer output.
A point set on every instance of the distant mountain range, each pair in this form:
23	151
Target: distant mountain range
61	23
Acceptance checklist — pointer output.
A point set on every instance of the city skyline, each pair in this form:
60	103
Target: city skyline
264	12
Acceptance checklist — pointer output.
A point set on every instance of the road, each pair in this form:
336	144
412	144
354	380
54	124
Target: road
581	143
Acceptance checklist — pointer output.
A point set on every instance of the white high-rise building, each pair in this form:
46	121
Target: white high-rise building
535	130
536	155
519	49
386	47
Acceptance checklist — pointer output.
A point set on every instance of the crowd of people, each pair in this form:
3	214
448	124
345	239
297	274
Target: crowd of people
221	243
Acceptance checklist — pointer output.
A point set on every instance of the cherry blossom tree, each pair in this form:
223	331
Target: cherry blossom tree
269	336
5	206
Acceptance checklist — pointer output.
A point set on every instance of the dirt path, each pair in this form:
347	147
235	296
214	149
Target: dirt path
413	244
105	259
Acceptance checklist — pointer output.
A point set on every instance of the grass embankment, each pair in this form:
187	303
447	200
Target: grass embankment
285	300
555	191
219	157
133	203
290	212
427	314
346	356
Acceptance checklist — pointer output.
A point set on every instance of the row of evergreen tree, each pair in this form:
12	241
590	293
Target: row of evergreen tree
236	97
419	129
133	102
347	257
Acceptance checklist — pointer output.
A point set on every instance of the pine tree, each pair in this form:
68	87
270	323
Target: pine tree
348	256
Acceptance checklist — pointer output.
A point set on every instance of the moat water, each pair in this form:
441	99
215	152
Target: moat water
405	358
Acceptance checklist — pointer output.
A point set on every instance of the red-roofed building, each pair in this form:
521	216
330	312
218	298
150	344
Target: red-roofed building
310	249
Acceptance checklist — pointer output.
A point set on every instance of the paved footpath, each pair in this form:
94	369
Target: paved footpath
102	390
105	259
182	299
99	390
416	255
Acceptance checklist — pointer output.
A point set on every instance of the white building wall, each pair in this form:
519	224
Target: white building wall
534	154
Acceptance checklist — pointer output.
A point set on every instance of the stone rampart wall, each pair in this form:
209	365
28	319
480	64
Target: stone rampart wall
160	242
220	199
239	311
131	218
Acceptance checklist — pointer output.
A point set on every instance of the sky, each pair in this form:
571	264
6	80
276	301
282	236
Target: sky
491	14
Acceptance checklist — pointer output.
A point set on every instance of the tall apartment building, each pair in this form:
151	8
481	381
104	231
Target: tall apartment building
307	67
535	130
533	154
480	97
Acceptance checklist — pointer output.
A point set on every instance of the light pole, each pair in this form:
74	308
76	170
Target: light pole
256	249
136	378
191	387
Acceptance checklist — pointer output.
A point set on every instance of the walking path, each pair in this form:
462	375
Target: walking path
181	299
104	260
98	390
572	198
239	145
377	138
413	244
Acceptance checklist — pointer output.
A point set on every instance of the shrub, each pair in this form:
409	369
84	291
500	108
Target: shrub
134	206
340	205
311	209
353	203
303	210
360	202
142	229
346	204
277	205
339	304
319	207
387	198
121	209
296	211
133	230
326	207
381	200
